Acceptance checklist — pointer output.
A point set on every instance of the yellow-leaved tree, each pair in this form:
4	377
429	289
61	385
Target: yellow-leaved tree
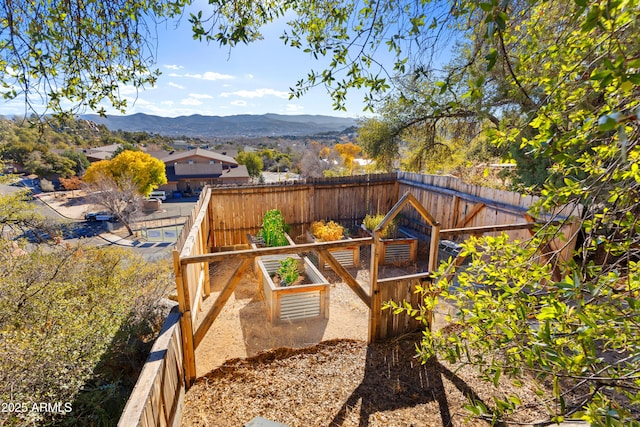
120	184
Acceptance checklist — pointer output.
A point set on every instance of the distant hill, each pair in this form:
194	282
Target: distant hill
226	126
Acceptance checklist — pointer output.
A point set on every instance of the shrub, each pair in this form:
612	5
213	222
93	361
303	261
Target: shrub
371	222
327	231
63	310
273	229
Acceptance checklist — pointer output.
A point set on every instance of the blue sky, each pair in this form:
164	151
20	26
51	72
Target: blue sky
201	78
247	79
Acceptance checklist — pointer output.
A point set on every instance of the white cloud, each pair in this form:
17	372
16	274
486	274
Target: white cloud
249	76
176	85
200	96
129	90
239	103
174	67
191	101
257	93
210	75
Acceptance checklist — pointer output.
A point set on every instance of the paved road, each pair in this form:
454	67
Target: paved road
89	233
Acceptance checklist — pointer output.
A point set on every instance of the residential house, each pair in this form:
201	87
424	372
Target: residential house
189	171
101	153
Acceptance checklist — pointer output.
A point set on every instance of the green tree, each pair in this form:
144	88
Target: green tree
569	82
80	160
252	161
78	52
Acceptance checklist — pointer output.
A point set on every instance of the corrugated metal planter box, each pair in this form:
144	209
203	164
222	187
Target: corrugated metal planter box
347	257
297	302
399	250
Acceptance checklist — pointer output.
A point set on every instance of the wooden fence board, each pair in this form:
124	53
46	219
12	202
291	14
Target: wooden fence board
160	383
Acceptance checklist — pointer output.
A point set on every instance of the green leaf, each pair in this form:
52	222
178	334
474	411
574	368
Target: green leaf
608	122
487	7
491	58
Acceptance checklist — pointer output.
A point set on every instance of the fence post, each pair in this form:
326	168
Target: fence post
186	327
376	303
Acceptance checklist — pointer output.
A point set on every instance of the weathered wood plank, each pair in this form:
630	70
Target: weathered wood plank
346	276
218	305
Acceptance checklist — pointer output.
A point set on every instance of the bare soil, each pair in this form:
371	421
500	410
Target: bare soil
323	372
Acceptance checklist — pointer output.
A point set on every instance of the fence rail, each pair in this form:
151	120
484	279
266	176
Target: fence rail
157	397
224	215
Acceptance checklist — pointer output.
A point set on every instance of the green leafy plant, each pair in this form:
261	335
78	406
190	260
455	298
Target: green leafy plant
289	271
273	229
371	222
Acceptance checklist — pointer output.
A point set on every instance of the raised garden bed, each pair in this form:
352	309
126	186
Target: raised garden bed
401	249
310	299
347	257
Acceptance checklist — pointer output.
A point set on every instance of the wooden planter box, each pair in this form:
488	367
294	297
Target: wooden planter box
399	250
347	257
293	302
254	244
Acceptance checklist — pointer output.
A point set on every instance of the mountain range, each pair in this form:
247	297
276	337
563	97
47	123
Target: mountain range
245	125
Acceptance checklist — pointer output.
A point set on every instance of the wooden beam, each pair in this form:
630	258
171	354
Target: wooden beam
177	270
433	248
461	222
346	276
252	253
217	307
406	277
375	309
487	228
422	210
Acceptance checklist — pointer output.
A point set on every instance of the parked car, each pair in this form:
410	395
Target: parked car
99	216
158	195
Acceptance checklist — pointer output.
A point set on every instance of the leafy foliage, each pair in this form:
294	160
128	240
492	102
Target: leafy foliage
328	231
274	229
145	171
62	309
252	161
288	271
78	53
348	151
568	69
370	222
17	217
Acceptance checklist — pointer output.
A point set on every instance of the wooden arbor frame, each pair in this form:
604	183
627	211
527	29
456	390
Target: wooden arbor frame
194	331
406	199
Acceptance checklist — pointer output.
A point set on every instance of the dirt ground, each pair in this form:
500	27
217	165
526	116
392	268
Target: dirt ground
242	328
322	372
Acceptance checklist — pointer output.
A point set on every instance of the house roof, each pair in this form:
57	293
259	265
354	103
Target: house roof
101	153
237	172
200	152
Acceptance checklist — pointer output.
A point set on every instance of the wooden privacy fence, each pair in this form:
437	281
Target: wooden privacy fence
432	206
157	397
464	209
237	211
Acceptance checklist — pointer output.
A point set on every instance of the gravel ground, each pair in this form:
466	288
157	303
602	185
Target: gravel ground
344	383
